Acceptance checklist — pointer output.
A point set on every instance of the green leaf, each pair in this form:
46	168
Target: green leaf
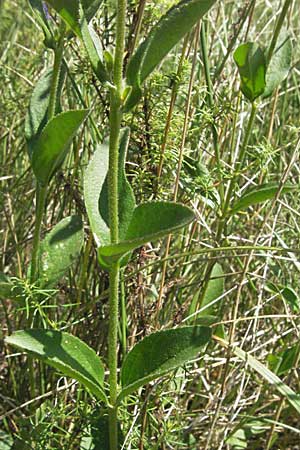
270	377
94	179
251	63
59	249
259	194
150	221
169	30
126	196
66	353
96	192
215	289
93	47
36	117
160	353
69	11
50	149
279	65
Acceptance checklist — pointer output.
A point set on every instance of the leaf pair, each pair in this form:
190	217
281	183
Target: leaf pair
155	356
169	30
258	78
137	224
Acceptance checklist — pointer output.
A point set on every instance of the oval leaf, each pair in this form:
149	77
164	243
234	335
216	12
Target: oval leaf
66	353
259	194
160	353
279	65
149	221
36	117
169	30
94	179
96	192
69	11
251	63
50	149
126	202
59	250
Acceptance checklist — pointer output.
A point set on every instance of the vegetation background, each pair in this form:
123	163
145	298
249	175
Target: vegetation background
175	133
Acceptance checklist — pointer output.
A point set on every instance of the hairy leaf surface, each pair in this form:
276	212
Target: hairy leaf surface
50	149
59	250
160	353
169	30
251	63
66	353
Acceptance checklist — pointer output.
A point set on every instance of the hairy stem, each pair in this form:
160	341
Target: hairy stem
113	200
41	193
58	58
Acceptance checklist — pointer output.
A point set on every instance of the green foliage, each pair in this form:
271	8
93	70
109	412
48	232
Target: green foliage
93	47
97	435
94	179
279	65
50	149
36	117
126	199
64	352
150	221
59	250
96	192
160	353
259	194
169	30
251	63
69	11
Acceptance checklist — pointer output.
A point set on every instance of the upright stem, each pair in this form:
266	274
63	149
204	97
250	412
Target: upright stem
41	193
58	58
115	119
278	27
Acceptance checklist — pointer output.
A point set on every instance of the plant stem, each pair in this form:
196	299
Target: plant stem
278	27
41	193
115	119
113	354
58	58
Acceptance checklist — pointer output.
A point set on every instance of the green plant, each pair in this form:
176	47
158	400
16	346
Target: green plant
120	226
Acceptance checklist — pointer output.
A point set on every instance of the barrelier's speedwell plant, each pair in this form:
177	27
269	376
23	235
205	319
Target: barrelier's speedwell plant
118	224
